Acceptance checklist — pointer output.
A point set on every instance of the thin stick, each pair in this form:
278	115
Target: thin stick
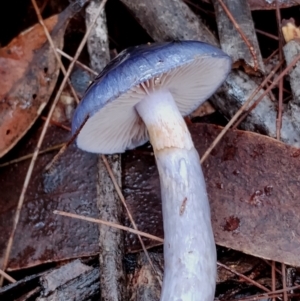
269	35
41	21
280	84
270	264
53	122
273	277
258	297
23	158
85	67
110	224
34	157
7	277
237	27
270	56
244	277
285	297
255	103
243	107
275	294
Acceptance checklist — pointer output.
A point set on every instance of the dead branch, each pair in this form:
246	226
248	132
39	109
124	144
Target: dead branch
111	240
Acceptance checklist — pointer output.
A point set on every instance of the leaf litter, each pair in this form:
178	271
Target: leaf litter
29	72
232	223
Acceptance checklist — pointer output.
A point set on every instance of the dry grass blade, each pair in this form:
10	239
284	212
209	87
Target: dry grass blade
26	157
41	21
98	221
40	141
274	294
77	62
269	35
244	106
255	103
244	277
266	61
280	84
53	122
285	297
273	277
7	277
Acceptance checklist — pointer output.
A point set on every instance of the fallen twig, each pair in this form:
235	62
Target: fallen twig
26	157
7	277
244	277
255	103
280	84
85	67
97	221
41	21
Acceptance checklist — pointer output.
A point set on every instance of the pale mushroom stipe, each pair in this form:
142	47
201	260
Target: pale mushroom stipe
142	95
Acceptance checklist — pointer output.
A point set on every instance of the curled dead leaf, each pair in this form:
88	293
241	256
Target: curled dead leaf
29	71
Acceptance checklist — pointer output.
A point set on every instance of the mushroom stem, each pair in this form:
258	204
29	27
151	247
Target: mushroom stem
189	248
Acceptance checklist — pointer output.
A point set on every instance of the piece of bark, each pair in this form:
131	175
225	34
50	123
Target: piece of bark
83	287
58	277
29	71
20	289
231	40
97	42
252	183
112	277
291	50
111	241
163	20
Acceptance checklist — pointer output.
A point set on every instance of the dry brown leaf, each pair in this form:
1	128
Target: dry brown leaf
252	181
253	187
29	72
41	235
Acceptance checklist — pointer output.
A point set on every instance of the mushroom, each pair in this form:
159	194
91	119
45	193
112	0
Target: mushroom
142	95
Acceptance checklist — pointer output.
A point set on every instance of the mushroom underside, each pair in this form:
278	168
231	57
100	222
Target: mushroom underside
190	85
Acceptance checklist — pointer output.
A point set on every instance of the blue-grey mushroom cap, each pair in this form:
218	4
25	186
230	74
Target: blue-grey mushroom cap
190	70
